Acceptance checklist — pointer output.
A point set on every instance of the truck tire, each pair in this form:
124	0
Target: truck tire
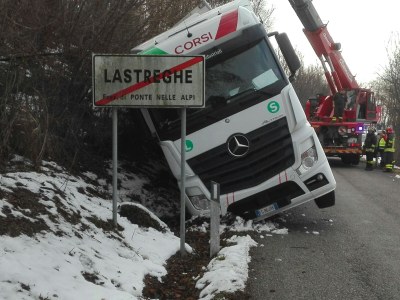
326	200
346	159
356	160
350	159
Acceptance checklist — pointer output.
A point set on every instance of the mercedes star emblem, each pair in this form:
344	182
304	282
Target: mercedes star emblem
238	145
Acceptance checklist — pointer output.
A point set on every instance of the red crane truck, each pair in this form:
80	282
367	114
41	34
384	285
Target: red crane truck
339	135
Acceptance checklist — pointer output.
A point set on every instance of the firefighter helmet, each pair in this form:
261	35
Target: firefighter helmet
389	130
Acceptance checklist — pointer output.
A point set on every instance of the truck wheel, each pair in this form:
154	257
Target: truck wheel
356	160
326	200
346	160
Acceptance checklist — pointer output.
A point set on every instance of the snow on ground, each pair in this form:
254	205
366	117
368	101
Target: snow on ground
79	248
57	240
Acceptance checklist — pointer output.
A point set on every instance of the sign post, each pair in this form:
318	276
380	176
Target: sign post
115	163
214	219
149	81
182	229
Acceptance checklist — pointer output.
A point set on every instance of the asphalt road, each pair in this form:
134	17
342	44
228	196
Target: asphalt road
349	251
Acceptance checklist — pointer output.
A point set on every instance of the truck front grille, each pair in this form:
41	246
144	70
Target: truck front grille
281	195
271	152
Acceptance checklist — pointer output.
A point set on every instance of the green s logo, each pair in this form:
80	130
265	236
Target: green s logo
273	107
189	145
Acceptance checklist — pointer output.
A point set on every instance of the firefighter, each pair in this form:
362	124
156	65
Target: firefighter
380	148
389	150
369	147
339	102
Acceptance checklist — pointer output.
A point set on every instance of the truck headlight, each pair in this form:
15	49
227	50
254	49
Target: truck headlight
308	159
197	198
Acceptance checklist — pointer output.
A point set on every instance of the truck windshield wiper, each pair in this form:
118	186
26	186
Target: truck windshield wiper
241	93
201	114
250	91
264	93
256	94
215	103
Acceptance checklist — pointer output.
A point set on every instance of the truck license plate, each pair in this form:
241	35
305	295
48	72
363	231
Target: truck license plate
267	209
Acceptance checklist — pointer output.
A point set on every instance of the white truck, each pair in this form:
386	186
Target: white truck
252	137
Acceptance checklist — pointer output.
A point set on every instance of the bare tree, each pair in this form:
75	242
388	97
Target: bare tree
388	85
264	11
45	69
309	80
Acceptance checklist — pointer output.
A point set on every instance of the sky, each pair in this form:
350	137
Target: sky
363	27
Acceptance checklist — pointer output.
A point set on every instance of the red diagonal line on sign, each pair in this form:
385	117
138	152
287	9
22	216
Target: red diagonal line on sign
151	80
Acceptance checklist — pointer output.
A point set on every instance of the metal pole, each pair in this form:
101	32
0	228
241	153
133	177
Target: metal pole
115	163
214	219
183	173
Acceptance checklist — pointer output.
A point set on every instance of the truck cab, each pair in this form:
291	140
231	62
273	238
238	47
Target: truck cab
252	137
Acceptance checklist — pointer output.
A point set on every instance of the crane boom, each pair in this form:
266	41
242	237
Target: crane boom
307	14
336	70
339	129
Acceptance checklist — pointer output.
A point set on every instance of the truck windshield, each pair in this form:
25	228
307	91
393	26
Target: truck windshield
235	79
251	69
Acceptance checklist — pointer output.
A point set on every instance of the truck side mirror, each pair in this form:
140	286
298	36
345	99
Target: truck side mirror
288	52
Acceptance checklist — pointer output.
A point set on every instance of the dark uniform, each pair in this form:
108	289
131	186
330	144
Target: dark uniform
339	101
389	150
369	147
381	148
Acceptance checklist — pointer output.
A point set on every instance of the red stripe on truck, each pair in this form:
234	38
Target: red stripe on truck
227	24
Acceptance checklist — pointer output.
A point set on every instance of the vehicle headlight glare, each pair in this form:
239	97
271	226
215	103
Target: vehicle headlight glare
308	159
308	162
197	198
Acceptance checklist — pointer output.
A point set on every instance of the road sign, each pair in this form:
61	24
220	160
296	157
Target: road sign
148	81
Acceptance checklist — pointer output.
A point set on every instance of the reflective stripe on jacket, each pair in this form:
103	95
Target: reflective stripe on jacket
389	147
382	143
